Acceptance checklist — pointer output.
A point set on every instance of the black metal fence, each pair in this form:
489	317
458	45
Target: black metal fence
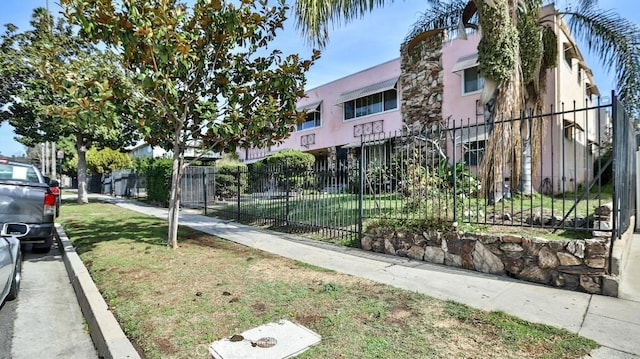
556	176
314	201
624	172
549	171
555	171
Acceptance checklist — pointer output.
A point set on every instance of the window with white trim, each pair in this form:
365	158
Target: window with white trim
313	119
472	81
371	104
473	152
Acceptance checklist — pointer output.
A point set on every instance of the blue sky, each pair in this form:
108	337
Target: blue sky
361	44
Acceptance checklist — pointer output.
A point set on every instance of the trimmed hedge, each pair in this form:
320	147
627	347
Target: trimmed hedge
159	180
227	181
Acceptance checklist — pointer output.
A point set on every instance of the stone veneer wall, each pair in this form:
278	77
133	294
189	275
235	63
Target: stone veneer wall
575	265
579	264
422	81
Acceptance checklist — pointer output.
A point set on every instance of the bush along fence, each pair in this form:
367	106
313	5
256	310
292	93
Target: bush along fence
480	196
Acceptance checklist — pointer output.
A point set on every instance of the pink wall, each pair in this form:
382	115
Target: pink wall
455	105
334	131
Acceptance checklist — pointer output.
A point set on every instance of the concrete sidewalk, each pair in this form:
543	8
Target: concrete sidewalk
613	322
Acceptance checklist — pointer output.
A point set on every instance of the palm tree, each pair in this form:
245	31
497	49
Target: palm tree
513	59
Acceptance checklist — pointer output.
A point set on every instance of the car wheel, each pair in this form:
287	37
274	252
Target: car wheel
17	277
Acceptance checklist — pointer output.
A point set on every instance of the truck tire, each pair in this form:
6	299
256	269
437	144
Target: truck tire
17	277
44	249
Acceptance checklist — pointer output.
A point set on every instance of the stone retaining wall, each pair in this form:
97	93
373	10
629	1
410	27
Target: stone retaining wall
579	264
576	265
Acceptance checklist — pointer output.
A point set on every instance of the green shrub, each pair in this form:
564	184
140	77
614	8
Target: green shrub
466	183
258	176
158	175
294	160
292	169
141	164
227	178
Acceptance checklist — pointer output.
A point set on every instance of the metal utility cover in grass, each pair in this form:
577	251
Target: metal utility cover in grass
283	339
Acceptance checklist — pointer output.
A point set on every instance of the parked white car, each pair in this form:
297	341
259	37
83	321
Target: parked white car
11	259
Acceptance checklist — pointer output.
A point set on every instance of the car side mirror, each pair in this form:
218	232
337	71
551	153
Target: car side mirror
14	230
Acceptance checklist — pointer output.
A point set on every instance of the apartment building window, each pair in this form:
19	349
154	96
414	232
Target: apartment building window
473	152
472	81
567	59
369	100
372	104
569	54
579	76
572	130
313	119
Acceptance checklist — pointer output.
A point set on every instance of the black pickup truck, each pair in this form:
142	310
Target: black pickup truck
25	197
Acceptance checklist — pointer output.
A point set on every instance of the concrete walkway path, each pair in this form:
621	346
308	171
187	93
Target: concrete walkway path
612	322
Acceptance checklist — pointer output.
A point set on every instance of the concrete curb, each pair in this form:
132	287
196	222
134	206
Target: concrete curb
621	249
108	338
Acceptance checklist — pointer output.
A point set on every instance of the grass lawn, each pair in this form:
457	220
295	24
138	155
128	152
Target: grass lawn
310	211
174	303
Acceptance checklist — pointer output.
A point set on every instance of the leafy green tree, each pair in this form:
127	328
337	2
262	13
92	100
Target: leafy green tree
512	57
204	72
57	84
107	160
68	165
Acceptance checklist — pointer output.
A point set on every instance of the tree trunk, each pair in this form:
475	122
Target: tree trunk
525	186
174	199
81	147
504	139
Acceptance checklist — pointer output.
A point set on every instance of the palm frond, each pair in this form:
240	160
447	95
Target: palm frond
616	41
442	15
313	17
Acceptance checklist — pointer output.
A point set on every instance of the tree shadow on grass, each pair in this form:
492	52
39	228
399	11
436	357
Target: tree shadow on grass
87	231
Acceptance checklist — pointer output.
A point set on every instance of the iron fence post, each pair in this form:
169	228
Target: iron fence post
286	197
360	190
215	190
238	194
204	186
455	179
614	156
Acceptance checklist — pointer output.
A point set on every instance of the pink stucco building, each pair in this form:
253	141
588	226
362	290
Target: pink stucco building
437	80
340	112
